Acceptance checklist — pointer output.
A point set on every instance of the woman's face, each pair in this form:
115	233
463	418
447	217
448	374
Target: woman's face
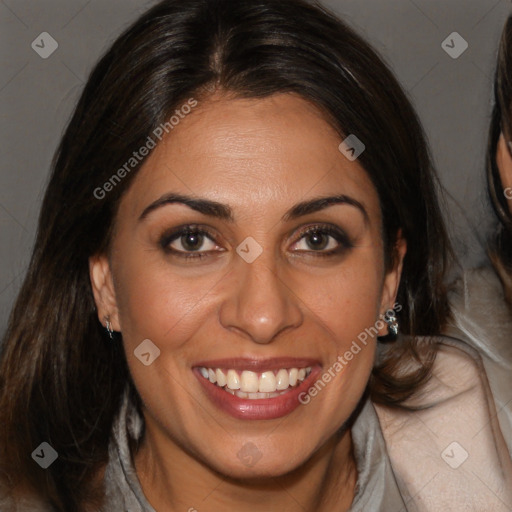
251	298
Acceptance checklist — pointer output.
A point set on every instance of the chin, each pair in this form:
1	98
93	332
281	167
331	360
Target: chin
250	462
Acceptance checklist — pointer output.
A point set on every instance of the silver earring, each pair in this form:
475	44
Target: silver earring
392	322
109	328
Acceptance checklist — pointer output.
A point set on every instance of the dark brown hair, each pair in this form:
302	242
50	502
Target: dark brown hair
61	378
501	244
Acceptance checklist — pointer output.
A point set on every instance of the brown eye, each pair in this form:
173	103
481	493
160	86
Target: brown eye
192	241
317	240
189	242
324	240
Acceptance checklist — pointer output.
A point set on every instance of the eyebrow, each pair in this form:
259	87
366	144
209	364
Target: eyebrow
225	212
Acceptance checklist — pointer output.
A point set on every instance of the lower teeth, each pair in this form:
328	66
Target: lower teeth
255	396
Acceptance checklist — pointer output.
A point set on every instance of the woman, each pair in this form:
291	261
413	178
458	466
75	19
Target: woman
183	341
482	299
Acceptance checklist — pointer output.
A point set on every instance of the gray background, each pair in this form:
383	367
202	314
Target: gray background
452	97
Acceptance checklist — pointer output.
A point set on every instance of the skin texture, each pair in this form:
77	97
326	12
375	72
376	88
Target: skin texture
260	157
504	162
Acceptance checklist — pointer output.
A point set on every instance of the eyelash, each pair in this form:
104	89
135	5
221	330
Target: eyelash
335	233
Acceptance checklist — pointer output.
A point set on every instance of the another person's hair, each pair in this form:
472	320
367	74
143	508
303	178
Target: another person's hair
501	245
61	378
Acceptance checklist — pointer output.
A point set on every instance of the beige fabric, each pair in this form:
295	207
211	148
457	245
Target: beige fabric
483	320
451	455
466	410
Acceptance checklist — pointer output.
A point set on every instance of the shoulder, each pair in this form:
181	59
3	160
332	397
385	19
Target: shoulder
482	320
457	372
481	316
447	449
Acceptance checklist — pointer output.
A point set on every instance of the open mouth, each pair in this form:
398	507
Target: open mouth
256	385
251	388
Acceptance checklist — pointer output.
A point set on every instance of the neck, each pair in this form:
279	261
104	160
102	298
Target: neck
174	480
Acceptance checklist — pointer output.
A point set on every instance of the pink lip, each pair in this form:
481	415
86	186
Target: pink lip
259	409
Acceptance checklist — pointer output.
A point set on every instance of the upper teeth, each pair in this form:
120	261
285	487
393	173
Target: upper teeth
251	382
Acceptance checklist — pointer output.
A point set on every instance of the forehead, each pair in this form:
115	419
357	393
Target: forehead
257	153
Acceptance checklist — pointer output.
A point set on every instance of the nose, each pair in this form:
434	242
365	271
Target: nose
261	303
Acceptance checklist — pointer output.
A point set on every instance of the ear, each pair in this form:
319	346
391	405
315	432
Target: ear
103	289
504	162
392	279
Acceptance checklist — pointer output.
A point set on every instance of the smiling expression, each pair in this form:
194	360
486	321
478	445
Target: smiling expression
240	180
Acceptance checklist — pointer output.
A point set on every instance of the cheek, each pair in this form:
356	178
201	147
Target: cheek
347	299
347	304
156	302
